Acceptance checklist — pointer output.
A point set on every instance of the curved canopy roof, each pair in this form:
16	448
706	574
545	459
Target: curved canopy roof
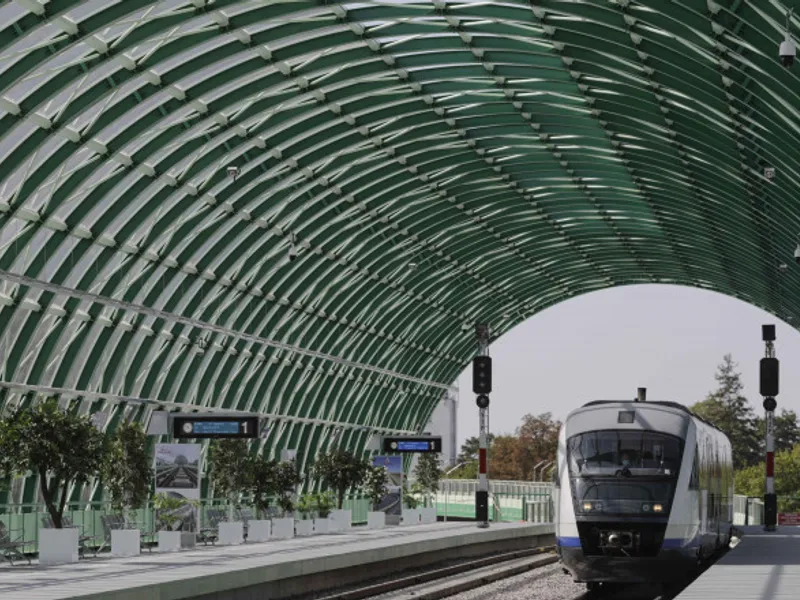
432	163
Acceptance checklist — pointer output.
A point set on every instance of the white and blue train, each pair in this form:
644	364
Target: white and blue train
643	492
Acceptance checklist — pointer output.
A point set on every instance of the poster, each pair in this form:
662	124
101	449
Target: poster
392	502
177	472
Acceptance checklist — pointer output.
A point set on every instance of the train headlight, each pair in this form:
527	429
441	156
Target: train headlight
657	508
587	506
646	507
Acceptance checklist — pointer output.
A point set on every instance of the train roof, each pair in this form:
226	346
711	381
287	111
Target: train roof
681	407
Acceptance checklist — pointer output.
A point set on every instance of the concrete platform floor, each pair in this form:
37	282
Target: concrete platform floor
238	572
763	566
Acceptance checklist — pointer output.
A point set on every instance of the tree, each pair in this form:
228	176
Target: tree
787	432
503	458
376	484
750	480
230	469
286	480
727	409
127	473
538	441
63	448
427	474
262	482
470	447
340	470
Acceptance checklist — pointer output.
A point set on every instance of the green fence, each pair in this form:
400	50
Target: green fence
509	500
25	520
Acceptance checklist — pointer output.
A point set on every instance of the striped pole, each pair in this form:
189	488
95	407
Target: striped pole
769	389
482	493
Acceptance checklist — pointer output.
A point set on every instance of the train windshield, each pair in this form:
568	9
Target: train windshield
624	454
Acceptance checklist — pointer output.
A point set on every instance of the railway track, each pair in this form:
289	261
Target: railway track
447	581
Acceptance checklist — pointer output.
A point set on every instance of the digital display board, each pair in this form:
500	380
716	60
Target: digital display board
412	444
208	426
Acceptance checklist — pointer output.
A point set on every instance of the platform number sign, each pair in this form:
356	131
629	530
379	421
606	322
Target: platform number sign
201	427
412	444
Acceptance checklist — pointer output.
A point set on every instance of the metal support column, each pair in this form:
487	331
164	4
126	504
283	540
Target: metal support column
769	389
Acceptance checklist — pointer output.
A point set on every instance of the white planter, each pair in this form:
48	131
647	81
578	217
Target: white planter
304	527
282	529
322	525
58	546
410	516
341	520
125	542
376	520
258	531
231	533
169	541
428	515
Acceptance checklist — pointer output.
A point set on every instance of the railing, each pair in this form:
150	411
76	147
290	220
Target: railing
509	500
748	510
25	520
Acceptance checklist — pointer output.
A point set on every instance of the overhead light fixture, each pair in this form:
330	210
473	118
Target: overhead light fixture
412	265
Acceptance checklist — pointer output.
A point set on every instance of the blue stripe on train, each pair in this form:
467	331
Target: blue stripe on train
569	542
668	544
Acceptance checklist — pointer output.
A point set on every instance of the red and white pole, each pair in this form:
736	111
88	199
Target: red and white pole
769	389
482	385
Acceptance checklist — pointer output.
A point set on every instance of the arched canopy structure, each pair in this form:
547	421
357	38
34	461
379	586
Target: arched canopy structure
432	163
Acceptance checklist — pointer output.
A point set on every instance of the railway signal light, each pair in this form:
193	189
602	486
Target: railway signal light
482	401
482	374
769	376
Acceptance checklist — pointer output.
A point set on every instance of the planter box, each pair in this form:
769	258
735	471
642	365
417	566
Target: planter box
169	541
428	515
376	520
259	531
410	516
231	533
125	542
282	529
304	527
341	520
58	546
322	525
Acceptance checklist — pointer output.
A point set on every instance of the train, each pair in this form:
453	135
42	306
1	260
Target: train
643	492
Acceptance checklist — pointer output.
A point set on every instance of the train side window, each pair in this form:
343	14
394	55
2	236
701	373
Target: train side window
694	479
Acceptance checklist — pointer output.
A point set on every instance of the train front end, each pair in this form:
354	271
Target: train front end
619	467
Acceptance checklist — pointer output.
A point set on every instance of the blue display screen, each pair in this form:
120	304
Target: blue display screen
215	427
413	445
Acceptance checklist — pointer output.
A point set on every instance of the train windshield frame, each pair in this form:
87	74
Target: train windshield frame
624	453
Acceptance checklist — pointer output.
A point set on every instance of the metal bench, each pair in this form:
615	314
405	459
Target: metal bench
211	534
66	522
11	548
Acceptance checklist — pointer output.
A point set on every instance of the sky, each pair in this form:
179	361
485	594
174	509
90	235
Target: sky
604	345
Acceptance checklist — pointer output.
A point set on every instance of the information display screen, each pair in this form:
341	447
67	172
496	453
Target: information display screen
194	426
412	444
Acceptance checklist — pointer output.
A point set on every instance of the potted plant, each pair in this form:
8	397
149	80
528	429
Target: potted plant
127	476
230	474
261	485
427	474
286	480
323	503
63	449
340	470
171	509
305	507
376	486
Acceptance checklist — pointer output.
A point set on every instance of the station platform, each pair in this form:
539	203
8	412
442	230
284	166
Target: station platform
762	566
273	569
